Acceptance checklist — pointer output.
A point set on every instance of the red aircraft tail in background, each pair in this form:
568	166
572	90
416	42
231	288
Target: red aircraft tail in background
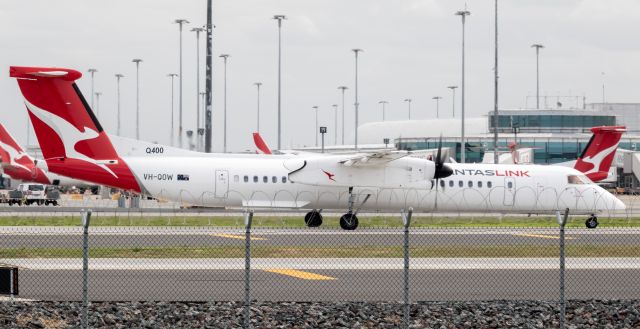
16	163
260	144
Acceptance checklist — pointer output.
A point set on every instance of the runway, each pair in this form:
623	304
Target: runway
328	279
71	237
190	277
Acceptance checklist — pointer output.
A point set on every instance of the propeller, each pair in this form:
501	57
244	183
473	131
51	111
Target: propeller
441	171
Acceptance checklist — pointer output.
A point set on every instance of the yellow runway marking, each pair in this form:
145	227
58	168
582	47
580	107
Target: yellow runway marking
237	236
299	274
543	236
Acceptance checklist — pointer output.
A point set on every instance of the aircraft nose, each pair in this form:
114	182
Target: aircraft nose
618	204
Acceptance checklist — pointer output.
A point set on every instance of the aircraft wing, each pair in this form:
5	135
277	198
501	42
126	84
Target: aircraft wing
393	169
372	159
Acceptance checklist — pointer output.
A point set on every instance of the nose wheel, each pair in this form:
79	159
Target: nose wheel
592	221
313	218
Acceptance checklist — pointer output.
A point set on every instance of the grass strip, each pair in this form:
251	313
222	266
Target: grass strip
517	251
297	221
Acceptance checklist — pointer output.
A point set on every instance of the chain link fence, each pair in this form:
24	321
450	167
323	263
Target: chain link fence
162	253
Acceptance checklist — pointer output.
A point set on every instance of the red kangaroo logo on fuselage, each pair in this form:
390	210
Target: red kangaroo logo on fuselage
330	175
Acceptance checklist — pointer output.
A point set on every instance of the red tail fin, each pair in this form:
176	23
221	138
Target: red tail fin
72	140
16	163
597	156
260	144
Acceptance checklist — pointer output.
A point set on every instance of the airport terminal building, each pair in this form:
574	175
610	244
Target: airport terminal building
556	135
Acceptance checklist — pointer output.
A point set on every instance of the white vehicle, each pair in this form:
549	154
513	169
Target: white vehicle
74	144
33	193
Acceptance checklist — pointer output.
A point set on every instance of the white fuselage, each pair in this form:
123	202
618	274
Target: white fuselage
223	180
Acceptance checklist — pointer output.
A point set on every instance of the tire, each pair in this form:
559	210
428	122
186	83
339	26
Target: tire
313	219
591	222
349	222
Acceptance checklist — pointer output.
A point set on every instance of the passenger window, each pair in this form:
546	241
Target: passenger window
460	183
284	179
255	179
265	179
246	178
489	184
470	184
274	179
441	183
450	183
236	178
479	184
509	185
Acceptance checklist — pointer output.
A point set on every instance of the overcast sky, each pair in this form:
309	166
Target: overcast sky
411	50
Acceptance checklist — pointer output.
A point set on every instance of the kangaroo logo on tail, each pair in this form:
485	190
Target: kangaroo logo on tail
598	155
72	140
69	135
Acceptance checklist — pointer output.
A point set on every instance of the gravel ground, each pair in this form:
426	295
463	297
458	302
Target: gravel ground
490	314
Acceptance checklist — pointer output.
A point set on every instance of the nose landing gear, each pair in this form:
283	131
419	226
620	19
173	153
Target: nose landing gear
592	221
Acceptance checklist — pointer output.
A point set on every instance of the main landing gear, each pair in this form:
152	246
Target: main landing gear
592	221
349	221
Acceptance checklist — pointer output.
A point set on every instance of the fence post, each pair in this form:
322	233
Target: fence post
86	216
406	222
562	221
248	217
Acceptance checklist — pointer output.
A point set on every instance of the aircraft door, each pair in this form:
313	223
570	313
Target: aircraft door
509	191
222	183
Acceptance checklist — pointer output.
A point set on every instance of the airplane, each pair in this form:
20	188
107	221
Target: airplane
18	165
74	143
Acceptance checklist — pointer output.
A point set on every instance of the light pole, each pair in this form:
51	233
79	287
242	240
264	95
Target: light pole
225	57
202	131
453	100
258	84
437	98
118	77
197	30
279	18
137	61
335	124
172	76
92	71
98	94
208	81
408	100
180	22
343	88
537	46
495	89
357	105
384	103
315	107
463	14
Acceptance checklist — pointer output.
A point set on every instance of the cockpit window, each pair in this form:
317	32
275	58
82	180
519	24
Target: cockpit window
578	179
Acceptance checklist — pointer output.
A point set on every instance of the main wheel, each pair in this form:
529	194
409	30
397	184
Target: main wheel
313	219
349	222
592	222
